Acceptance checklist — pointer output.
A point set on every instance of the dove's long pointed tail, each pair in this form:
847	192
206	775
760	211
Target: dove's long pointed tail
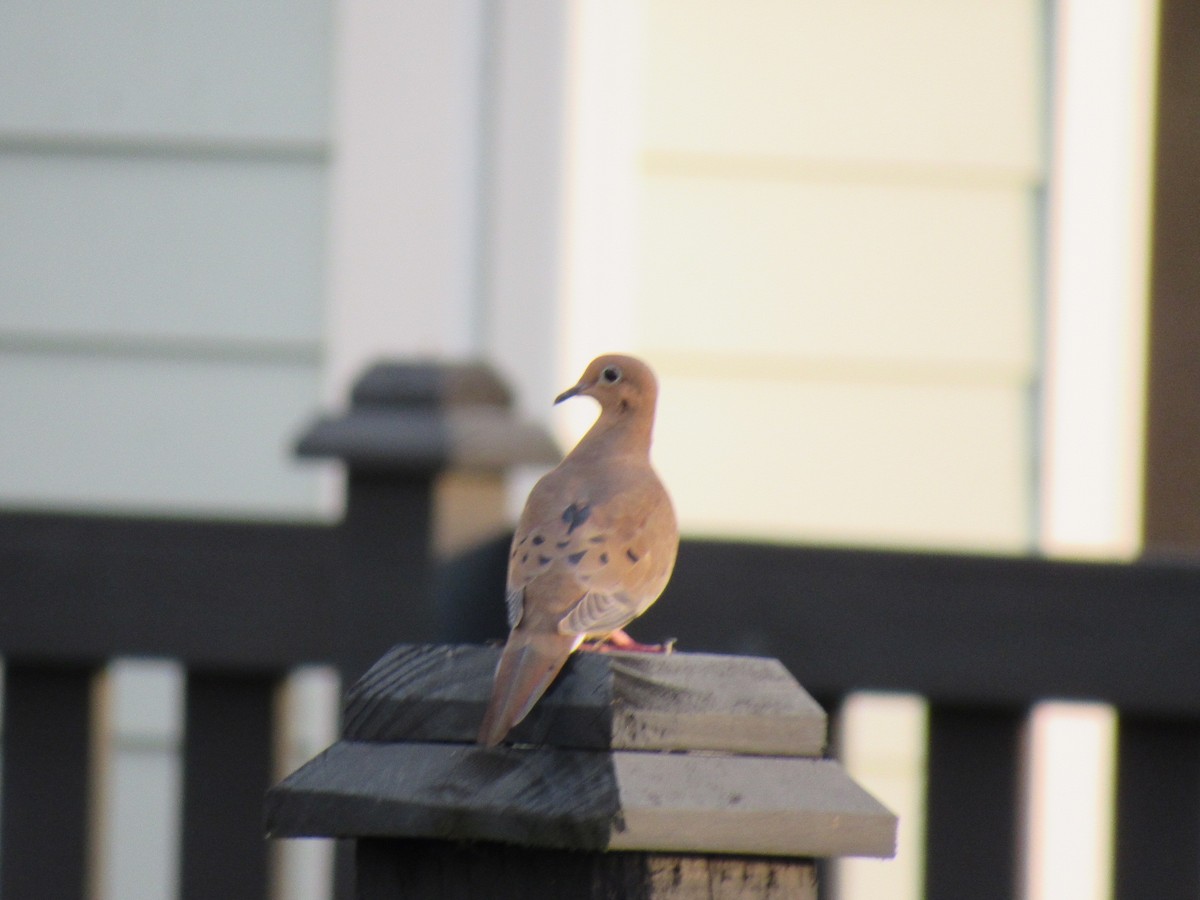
527	667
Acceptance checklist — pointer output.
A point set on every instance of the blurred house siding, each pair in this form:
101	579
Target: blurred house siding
163	181
841	264
825	230
162	234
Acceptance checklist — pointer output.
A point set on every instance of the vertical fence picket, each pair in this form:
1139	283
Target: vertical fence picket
972	803
1158	808
229	756
46	810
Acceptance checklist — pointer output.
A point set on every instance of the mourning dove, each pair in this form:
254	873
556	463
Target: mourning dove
594	547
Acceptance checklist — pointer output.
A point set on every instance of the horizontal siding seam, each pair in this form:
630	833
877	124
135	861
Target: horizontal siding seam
155	146
950	373
158	347
663	163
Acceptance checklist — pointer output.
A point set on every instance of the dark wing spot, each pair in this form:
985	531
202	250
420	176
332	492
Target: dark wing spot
633	557
574	558
604	559
598	539
563	545
543	560
524	557
575	515
524	538
538	539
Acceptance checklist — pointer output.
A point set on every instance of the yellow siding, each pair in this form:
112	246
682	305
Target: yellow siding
942	82
838	281
924	275
868	462
839	259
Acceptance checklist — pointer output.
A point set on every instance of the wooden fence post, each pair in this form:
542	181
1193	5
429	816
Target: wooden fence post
638	776
426	448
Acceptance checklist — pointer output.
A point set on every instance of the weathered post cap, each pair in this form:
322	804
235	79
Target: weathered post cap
690	753
429	416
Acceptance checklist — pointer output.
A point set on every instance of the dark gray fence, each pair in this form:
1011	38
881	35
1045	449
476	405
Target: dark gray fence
240	604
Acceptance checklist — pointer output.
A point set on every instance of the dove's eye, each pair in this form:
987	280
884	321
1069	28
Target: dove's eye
612	374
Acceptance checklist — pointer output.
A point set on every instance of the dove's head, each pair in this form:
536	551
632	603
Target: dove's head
619	383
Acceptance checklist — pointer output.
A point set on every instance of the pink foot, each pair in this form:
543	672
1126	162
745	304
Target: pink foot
619	641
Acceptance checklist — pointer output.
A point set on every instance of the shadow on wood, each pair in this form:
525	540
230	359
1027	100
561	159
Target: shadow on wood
649	772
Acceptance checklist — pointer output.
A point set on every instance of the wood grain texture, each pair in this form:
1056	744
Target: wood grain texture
438	693
702	701
773	806
535	797
586	800
388	869
620	701
732	878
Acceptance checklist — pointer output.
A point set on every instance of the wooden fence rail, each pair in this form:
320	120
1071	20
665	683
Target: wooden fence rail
240	604
984	639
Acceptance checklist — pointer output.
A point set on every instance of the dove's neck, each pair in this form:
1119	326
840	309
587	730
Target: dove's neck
618	433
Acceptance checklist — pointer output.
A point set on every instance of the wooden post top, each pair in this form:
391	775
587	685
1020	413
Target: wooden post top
603	701
422	417
682	752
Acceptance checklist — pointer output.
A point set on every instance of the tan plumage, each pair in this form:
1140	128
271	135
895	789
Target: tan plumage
594	547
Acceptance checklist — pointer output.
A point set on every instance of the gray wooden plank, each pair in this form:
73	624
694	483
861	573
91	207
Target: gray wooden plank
632	701
589	800
182	252
741	804
536	797
706	701
140	66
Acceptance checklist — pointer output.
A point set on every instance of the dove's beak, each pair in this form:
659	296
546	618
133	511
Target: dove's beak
570	392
